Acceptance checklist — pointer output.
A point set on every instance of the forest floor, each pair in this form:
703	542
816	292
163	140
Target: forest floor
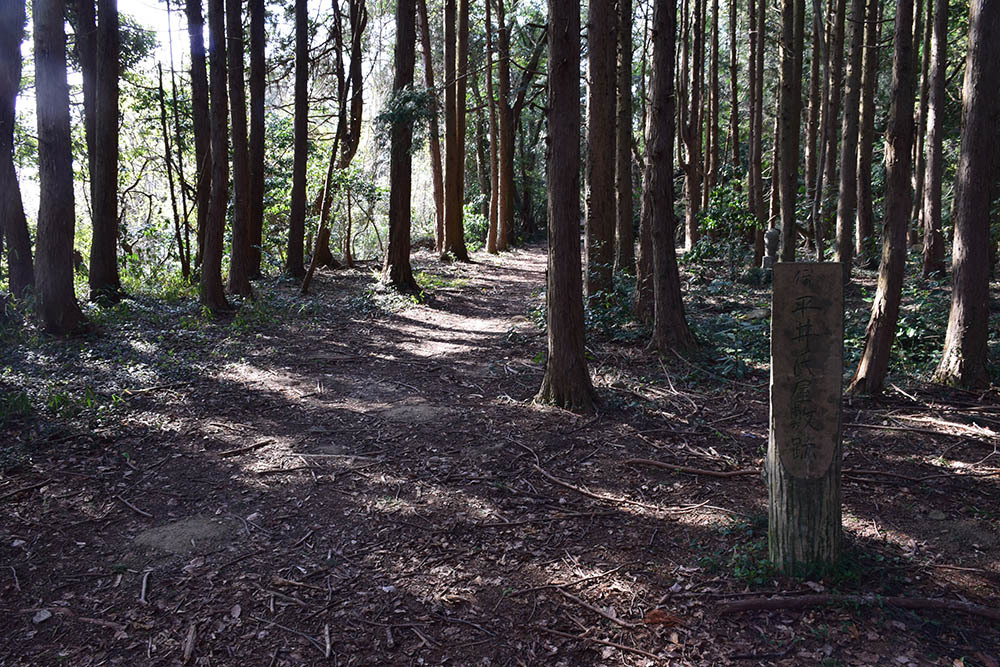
352	478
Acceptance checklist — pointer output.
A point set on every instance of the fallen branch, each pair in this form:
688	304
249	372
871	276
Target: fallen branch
906	429
603	642
32	487
612	499
311	640
134	508
248	448
725	474
805	601
599	612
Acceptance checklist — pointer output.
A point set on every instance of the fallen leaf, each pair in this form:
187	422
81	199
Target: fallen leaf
660	617
41	616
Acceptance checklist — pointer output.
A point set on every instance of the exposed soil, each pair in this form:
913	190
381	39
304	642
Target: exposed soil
353	478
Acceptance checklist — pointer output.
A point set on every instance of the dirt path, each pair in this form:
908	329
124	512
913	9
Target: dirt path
355	480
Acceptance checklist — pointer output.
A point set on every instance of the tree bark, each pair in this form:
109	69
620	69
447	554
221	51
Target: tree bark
866	140
828	181
239	262
505	210
212	295
755	178
692	131
105	284
169	163
58	309
396	270
919	164
964	358
933	252
258	74
734	93
567	381
793	17
295	260
848	191
670	329
434	131
624	229
815	101
13	223
600	168
454	233
712	173
200	119
870	374
494	202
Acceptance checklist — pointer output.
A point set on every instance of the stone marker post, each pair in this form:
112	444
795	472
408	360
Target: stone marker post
803	453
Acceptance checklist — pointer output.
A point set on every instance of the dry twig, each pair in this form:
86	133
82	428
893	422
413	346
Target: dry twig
804	601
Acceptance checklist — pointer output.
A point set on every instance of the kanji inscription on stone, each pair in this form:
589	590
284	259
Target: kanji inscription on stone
807	358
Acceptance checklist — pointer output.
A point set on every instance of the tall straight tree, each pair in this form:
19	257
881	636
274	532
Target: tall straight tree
624	232
505	122
57	306
919	163
105	283
212	295
866	138
239	263
200	119
454	141
567	381
734	92
815	100
792	23
434	132
848	190
827	183
712	157
963	361
670	329
870	374
13	224
755	72
933	255
600	169
691	130
295	259
258	74
492	215
396	269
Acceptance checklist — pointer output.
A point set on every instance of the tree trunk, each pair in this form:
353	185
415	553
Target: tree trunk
13	224
692	131
712	173
831	122
933	255
454	234
105	285
200	119
670	329
793	17
965	354
624	229
493	216
184	246
295	260
505	210
734	93
848	191
239	262
396	269
600	169
919	163
212	295
870	374
258	74
755	178
434	131
169	163
812	115
866	140
56	302
567	380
